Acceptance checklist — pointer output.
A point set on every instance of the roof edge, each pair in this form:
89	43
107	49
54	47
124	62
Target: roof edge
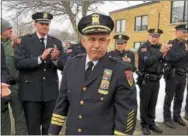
135	6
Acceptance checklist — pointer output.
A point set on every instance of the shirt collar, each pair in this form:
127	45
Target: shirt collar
38	35
88	60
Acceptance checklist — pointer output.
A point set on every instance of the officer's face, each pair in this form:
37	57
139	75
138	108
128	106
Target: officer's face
154	39
42	28
96	45
7	34
121	46
182	35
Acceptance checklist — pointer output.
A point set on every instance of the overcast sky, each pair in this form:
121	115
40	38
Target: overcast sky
105	8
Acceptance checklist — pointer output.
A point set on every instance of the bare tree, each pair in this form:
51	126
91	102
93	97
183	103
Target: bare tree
64	9
63	35
21	28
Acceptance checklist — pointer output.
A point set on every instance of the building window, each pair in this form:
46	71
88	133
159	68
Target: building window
120	26
179	11
141	23
137	45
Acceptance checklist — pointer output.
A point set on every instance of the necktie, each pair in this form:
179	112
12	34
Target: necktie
89	69
42	41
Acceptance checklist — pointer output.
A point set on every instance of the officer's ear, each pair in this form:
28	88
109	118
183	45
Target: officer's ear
108	41
83	41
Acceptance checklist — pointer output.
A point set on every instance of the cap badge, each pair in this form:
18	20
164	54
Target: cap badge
156	31
95	19
45	15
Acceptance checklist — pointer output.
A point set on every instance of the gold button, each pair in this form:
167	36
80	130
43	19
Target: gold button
44	78
44	61
102	98
84	88
44	69
80	116
81	102
79	130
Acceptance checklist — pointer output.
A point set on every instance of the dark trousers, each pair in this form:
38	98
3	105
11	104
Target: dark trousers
186	106
174	89
38	116
148	100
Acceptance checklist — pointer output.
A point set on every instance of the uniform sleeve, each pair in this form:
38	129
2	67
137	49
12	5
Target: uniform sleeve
125	105
61	108
147	58
174	56
133	62
4	69
22	60
62	57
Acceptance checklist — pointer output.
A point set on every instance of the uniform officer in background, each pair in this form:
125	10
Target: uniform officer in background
175	77
122	52
151	66
75	49
9	41
97	93
37	58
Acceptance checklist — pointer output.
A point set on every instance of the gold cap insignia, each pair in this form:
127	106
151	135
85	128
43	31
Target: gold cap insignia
95	19
45	15
156	31
120	36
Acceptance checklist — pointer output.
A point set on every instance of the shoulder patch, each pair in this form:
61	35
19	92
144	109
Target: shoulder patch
28	35
143	50
129	76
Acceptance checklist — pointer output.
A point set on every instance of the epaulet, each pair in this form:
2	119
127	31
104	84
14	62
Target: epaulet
27	35
144	45
79	55
130	51
170	41
54	38
127	65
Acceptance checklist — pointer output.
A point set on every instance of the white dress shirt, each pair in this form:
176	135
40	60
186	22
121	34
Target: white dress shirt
88	60
45	43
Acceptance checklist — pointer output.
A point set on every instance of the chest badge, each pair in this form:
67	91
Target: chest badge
105	82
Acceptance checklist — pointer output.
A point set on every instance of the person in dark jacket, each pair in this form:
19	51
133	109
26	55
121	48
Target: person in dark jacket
37	58
97	92
10	40
175	77
151	66
121	50
74	50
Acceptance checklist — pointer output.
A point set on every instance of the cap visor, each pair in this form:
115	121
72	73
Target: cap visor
46	21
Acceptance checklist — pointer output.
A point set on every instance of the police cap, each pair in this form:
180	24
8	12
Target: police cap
121	38
95	24
42	17
182	27
155	32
